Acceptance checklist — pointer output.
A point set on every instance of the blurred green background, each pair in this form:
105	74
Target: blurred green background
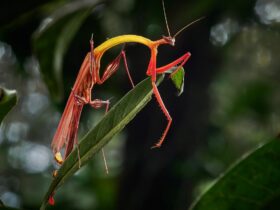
229	105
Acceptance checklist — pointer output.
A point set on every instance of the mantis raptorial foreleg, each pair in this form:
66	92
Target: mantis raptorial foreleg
182	60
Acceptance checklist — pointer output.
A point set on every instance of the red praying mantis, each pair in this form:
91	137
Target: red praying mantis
89	76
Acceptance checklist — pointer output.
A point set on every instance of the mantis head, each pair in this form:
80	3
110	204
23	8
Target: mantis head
169	40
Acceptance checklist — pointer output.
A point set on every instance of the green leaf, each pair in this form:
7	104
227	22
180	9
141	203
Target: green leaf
51	42
178	80
8	99
112	123
252	183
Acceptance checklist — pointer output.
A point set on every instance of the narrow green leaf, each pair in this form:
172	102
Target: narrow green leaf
252	183
51	41
112	123
178	80
8	99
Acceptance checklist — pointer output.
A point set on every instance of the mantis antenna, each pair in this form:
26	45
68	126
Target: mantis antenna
186	26
182	29
165	18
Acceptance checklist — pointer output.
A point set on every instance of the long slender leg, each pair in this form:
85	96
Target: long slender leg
151	71
105	161
126	68
165	112
103	152
97	104
114	66
182	60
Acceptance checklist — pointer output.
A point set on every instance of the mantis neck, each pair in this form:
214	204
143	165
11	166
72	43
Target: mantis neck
120	40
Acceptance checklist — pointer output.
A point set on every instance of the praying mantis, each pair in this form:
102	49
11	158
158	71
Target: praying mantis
89	75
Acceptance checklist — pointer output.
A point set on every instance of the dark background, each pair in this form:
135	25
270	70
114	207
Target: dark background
230	103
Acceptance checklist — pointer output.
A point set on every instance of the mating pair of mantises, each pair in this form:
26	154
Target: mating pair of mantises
81	94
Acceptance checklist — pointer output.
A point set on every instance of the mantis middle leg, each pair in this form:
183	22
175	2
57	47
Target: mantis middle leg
114	66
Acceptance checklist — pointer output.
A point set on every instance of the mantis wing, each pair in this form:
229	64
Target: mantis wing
67	125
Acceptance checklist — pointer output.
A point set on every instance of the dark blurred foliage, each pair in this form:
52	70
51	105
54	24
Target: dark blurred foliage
229	105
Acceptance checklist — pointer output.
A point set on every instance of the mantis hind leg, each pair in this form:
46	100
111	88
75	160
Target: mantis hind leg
114	66
97	103
80	101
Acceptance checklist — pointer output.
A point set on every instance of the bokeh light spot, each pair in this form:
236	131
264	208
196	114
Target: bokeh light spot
222	32
268	11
